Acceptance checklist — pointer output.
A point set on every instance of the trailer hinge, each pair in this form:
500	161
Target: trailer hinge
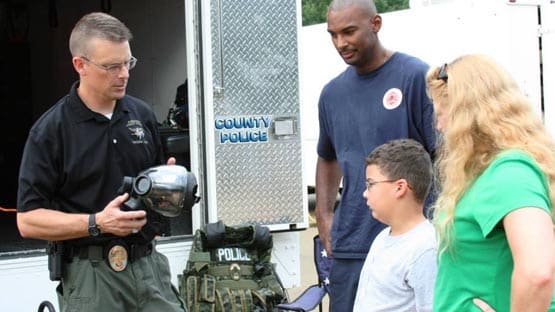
218	92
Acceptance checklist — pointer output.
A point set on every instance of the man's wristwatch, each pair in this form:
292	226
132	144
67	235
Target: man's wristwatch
94	230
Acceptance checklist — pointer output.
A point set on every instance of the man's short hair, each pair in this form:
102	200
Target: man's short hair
96	25
405	159
367	5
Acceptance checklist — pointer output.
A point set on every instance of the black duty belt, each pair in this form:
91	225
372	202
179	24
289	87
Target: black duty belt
116	252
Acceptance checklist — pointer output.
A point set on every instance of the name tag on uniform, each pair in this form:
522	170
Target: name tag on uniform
229	254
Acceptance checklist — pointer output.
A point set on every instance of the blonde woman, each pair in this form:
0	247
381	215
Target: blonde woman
494	213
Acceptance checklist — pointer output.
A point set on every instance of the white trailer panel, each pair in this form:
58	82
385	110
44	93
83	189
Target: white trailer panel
547	31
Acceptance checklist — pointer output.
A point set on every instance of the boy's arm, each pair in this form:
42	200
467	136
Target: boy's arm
422	277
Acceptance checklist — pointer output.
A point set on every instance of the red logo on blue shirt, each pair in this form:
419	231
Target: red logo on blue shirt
392	98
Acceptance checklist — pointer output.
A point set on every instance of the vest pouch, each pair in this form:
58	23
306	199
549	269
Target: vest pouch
239	300
208	289
259	299
271	282
201	293
191	287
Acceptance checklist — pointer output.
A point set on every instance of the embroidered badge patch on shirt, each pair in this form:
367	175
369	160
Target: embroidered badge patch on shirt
137	131
392	98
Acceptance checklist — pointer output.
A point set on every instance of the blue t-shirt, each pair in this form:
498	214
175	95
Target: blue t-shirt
357	114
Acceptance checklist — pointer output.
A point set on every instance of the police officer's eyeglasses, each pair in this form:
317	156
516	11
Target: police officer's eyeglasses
114	69
370	183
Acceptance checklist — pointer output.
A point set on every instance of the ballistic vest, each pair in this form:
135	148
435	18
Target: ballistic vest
229	269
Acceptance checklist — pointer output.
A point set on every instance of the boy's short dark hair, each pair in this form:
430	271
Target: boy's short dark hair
405	159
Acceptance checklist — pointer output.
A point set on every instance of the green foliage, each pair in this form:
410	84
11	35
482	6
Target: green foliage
315	11
391	5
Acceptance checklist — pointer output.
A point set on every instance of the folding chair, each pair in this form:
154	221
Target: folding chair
313	295
46	305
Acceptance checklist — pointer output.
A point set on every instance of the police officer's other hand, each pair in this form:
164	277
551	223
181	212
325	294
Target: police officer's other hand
171	161
121	223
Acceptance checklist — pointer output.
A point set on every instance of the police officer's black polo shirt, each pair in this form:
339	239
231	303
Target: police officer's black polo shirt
75	159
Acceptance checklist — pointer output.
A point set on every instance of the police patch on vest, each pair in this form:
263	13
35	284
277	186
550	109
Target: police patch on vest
230	254
235	271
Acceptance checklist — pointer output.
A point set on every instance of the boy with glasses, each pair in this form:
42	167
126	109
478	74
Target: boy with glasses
400	269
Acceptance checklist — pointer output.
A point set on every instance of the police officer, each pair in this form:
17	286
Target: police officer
74	161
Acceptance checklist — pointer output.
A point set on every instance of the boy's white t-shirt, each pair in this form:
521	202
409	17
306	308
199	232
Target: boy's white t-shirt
399	272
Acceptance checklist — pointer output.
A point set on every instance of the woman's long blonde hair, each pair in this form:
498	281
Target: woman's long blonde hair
485	113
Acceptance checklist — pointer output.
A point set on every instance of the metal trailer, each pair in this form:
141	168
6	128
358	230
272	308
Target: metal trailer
240	59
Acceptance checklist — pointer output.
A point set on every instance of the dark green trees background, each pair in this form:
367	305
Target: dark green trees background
314	11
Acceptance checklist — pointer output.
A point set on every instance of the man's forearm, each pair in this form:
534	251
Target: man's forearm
52	225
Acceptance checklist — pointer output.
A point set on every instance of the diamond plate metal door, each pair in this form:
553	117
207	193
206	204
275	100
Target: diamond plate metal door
256	109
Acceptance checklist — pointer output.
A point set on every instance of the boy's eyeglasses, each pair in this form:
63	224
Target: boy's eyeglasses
114	69
370	183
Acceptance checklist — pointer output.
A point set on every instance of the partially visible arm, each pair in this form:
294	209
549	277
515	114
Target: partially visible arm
55	225
422	279
51	224
532	241
328	177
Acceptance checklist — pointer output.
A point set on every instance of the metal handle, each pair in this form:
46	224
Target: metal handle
219	89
